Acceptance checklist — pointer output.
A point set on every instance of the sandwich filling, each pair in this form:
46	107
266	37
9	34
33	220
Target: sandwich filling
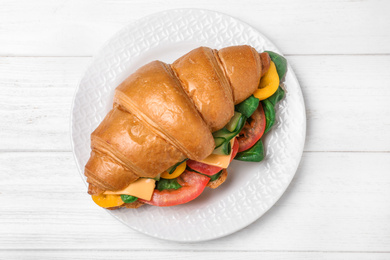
240	139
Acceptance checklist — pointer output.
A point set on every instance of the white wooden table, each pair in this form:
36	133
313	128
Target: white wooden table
337	206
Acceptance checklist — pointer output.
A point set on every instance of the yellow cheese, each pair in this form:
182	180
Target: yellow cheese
219	160
142	188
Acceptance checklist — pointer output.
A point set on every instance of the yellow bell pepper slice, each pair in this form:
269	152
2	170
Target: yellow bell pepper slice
107	201
176	173
269	83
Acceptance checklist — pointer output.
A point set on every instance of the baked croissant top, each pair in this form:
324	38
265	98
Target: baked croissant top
164	113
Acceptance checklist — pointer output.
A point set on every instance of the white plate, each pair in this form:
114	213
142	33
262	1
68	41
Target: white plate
251	188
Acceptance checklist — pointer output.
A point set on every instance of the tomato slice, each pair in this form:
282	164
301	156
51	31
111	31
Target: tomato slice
203	168
253	130
210	169
234	149
192	184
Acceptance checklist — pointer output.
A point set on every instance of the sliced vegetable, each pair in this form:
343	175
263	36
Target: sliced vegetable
215	176
218	141
202	168
253	130
173	168
269	112
248	106
224	135
277	96
128	198
223	149
207	169
234	149
165	184
269	83
253	154
280	63
107	201
232	125
176	173
192	185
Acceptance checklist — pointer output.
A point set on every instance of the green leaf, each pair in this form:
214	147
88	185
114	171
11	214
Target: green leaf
215	176
173	168
269	112
277	96
128	198
232	125
212	177
253	154
223	149
280	63
224	135
248	106
168	184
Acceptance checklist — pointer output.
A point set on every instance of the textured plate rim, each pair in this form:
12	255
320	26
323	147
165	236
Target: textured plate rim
281	190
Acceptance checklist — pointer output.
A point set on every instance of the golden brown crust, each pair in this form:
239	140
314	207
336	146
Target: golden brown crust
93	190
106	173
123	136
164	114
133	205
243	67
155	96
114	208
222	178
205	83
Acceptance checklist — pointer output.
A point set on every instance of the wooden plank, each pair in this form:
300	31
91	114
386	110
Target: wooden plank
346	100
190	255
343	97
336	202
35	100
79	28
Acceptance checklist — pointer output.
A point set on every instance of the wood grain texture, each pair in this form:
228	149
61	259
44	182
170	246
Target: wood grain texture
79	28
35	100
190	255
337	202
343	97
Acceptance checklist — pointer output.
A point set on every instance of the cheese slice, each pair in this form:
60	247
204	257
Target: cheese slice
219	160
142	188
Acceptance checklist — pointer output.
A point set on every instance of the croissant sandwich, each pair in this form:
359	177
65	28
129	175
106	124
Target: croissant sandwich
174	129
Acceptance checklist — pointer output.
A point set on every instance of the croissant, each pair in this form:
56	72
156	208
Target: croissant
163	114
